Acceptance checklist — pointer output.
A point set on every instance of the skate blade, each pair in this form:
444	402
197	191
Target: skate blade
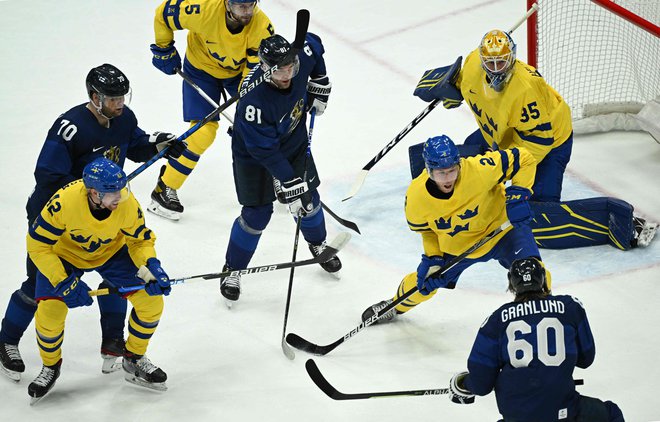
110	364
229	303
157	386
35	400
336	275
12	375
155	208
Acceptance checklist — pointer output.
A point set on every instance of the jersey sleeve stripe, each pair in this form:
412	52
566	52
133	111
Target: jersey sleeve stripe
172	10
417	225
516	161
39	238
536	139
505	165
48	227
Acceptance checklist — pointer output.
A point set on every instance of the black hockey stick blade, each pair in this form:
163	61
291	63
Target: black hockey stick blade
302	24
346	223
322	383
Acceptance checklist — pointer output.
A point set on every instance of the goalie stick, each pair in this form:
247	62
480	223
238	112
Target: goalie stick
331	250
359	180
322	383
309	347
302	23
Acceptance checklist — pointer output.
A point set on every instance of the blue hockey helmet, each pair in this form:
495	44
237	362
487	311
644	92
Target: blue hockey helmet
104	176
440	153
526	275
498	55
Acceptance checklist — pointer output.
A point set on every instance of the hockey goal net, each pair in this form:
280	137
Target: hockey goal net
602	56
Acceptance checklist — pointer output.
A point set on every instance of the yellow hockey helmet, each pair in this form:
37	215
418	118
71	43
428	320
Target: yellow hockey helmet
498	54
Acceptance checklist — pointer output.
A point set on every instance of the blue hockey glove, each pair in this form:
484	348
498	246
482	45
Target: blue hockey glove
318	92
73	292
457	391
440	84
297	196
164	140
158	283
427	285
166	59
517	206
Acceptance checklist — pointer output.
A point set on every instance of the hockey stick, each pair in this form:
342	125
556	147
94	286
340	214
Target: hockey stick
359	180
331	250
322	383
302	23
288	351
309	347
346	223
203	94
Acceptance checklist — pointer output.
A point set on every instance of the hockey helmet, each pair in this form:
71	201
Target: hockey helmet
274	50
104	175
106	80
526	275
498	54
440	153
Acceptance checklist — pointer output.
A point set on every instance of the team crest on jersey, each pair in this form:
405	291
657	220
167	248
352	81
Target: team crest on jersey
469	213
87	245
459	229
296	115
442	224
113	153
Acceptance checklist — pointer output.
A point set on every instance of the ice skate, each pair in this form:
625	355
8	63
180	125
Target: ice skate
230	287
11	363
44	382
644	232
165	201
140	371
386	317
332	266
111	350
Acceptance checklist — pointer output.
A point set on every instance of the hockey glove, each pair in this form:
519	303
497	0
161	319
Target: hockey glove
517	206
427	285
277	187
440	84
164	140
166	59
297	196
73	291
318	92
457	391
158	283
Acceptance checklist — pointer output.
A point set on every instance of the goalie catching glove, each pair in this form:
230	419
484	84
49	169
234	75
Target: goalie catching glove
457	391
440	84
164	140
318	92
297	196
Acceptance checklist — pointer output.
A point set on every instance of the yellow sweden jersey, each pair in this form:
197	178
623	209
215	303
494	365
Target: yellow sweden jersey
475	208
526	113
66	228
211	47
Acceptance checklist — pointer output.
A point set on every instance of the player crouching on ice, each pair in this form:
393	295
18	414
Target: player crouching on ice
95	224
527	350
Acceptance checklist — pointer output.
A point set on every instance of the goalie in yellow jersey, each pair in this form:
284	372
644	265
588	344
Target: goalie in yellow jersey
95	224
222	45
515	107
454	204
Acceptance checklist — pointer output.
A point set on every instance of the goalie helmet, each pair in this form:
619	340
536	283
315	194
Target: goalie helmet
106	80
104	176
274	51
440	153
526	275
498	54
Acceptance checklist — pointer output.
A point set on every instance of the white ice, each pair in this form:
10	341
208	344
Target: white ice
228	365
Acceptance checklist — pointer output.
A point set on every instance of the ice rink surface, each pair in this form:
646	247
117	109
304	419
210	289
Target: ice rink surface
228	365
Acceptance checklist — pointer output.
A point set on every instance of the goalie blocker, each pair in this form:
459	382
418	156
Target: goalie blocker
572	224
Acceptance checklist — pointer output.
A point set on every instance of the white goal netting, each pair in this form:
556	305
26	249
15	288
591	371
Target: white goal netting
602	64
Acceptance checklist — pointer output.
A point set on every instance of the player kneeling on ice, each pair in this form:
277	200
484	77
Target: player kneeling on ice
527	350
95	224
269	148
456	203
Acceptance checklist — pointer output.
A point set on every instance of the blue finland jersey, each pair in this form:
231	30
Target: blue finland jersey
75	139
270	125
527	351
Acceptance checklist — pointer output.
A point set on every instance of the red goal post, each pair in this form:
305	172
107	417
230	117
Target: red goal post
603	57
